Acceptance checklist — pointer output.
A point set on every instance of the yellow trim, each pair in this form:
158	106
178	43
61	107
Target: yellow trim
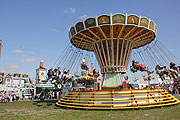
137	99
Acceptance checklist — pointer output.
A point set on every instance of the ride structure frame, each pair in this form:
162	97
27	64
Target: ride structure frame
112	38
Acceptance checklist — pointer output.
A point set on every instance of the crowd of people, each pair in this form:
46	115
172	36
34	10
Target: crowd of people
50	95
174	89
171	71
57	77
11	96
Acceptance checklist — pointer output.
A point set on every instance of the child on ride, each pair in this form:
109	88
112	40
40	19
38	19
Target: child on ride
142	67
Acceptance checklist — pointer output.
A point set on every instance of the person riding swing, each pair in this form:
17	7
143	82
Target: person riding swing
137	66
172	68
84	66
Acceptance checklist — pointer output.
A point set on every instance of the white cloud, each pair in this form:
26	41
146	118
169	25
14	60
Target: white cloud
17	51
28	59
10	68
72	10
14	66
83	16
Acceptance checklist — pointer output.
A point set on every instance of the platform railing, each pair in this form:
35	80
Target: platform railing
114	99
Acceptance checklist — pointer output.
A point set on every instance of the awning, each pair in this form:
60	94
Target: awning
46	86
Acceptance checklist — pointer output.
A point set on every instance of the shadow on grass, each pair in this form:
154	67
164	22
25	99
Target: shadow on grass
46	103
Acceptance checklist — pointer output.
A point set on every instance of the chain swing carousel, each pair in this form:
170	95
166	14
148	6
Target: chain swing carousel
112	38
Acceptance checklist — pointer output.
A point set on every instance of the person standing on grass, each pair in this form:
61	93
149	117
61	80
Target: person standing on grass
169	89
17	95
32	94
23	95
176	90
11	96
5	96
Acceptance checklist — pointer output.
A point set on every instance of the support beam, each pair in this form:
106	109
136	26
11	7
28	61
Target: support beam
104	53
94	34
143	39
97	56
121	54
100	54
125	53
112	44
107	47
87	37
117	52
81	39
102	33
121	31
141	36
128	55
136	44
137	33
132	30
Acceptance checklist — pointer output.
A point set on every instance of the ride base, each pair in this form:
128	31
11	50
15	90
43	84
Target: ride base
118	99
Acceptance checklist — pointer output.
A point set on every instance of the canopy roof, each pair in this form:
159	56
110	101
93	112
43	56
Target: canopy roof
139	30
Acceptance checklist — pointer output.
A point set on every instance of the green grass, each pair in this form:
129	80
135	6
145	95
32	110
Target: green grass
47	110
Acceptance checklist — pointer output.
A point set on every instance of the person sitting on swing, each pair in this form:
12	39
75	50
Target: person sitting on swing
142	67
95	74
159	67
173	69
178	68
64	77
160	73
50	74
129	86
84	66
135	66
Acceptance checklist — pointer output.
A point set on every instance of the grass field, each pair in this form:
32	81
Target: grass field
47	110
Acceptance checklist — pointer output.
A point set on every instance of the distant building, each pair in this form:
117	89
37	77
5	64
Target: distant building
41	73
16	82
41	80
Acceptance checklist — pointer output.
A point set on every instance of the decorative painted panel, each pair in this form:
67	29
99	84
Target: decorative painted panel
118	18
104	19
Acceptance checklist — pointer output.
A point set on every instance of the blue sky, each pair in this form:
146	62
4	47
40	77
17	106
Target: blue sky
32	30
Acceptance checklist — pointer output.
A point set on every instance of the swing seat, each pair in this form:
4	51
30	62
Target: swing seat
133	69
77	74
83	73
145	79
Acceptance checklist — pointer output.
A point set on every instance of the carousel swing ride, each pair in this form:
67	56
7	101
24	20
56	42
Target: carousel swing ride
114	40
